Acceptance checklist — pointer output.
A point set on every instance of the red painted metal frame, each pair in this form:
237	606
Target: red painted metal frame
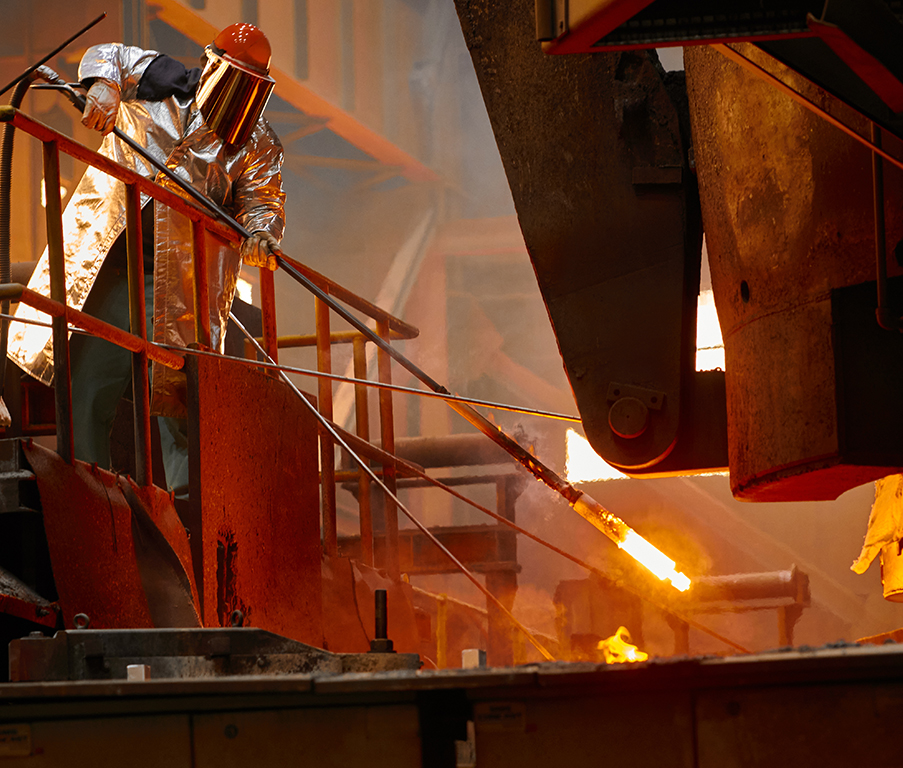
16	292
610	14
327	446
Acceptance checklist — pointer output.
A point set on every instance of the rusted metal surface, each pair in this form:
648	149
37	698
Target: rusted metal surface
201	284
617	261
170	653
787	201
19	600
823	707
165	560
89	533
254	520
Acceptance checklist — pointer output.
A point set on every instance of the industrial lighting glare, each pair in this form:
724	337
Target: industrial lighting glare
657	562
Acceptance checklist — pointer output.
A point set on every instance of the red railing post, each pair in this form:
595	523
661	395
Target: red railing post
268	310
362	418
387	433
138	325
62	383
327	446
201	286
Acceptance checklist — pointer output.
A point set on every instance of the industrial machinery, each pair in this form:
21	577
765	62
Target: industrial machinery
235	628
617	171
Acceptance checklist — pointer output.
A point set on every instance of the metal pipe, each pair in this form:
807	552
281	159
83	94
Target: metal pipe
138	326
770	585
327	447
310	339
57	260
362	424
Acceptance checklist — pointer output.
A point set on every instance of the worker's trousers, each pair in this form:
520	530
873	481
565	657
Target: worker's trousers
101	374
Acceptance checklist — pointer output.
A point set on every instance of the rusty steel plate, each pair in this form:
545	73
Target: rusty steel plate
89	534
255	512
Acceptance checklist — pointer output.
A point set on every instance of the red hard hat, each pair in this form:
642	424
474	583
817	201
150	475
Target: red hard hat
245	44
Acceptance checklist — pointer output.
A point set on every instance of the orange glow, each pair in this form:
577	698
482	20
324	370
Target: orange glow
618	649
650	557
630	541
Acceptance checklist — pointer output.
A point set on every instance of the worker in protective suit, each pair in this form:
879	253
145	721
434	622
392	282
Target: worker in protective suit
206	125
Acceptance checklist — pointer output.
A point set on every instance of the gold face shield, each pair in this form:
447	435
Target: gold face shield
231	97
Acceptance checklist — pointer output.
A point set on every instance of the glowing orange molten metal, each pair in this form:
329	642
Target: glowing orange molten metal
631	542
617	649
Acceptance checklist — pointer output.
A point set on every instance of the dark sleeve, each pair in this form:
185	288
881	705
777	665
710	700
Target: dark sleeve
165	77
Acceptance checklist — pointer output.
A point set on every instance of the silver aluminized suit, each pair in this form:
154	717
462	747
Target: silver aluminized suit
246	181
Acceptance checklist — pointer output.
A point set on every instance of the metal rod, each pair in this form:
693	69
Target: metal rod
53	53
327	447
380	385
387	434
362	425
65	445
138	326
337	436
381	624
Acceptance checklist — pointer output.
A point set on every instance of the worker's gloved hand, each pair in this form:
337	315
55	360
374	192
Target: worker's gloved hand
102	106
260	249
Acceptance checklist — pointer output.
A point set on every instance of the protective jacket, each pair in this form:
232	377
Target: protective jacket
246	181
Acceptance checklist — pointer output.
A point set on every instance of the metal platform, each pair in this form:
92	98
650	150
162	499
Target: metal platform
827	707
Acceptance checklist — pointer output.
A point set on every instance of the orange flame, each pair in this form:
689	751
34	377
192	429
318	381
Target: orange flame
618	649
